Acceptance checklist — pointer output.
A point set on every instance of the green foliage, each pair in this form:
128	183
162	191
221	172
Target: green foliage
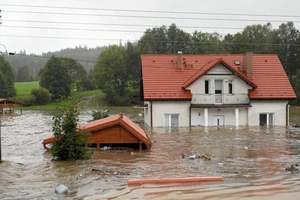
99	114
7	78
60	74
41	96
24	88
116	72
27	100
68	144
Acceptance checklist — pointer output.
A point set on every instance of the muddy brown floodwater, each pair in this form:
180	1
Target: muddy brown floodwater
252	161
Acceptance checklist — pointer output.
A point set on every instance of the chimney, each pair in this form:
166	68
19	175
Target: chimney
179	60
248	63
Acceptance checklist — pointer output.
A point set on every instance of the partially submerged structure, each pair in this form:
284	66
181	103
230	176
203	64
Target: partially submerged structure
6	106
215	90
113	131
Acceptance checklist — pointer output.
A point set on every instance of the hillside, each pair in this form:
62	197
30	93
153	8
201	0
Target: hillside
86	56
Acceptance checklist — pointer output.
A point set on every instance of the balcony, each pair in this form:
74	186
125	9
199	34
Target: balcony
220	99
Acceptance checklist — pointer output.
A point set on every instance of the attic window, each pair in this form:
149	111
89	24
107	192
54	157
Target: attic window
237	62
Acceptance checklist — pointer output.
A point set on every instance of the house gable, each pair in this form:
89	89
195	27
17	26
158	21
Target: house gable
219	69
220	65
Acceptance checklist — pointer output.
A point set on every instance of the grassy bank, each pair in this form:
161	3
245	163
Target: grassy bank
24	88
90	99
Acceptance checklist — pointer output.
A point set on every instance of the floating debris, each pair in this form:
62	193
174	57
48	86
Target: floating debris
109	172
293	167
61	189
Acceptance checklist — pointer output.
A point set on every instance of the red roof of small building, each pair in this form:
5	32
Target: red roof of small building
163	80
104	123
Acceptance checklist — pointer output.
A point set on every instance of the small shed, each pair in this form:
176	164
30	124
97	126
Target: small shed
6	106
113	131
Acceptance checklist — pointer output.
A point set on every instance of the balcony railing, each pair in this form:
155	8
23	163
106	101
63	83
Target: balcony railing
241	98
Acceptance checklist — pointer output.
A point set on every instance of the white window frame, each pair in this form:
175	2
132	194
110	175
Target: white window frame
169	115
268	118
230	82
209	86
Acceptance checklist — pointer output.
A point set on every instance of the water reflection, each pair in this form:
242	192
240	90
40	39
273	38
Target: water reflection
251	159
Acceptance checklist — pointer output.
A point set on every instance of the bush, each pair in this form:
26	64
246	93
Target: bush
26	100
99	114
41	96
68	144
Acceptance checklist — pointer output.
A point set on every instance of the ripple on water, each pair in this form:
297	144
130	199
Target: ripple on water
251	159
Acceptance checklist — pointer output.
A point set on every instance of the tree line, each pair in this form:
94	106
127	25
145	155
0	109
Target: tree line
117	69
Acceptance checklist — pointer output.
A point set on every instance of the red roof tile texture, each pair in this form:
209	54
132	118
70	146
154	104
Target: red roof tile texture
164	80
100	124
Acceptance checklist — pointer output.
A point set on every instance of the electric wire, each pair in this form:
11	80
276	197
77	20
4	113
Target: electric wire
147	16
150	11
111	24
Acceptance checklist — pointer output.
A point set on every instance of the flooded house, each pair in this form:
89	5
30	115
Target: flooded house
215	90
114	132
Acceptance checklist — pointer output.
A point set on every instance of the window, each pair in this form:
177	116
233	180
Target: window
230	87
266	119
206	86
172	120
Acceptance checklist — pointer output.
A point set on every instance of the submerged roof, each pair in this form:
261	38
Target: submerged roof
163	80
107	122
10	101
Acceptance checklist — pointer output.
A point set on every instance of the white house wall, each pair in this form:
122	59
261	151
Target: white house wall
197	116
147	113
239	85
277	107
160	108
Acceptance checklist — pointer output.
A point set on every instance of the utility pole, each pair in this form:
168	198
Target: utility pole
0	143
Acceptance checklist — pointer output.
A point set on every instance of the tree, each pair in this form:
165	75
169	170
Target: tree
68	144
60	74
7	88
289	38
41	96
55	78
114	75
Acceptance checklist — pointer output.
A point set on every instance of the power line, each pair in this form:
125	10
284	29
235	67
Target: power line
51	37
146	17
110	24
161	41
77	29
149	11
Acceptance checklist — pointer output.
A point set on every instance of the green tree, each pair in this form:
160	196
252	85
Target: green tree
7	88
68	144
55	78
41	96
289	38
114	75
60	74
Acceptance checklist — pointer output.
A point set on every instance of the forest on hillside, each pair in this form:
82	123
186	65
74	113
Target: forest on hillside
259	39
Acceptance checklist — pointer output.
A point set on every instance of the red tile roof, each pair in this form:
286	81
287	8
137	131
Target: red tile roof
163	80
100	124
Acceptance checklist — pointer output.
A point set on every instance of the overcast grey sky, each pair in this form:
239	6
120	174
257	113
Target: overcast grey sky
17	31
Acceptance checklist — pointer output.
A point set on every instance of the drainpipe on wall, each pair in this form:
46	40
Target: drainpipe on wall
190	116
151	115
287	113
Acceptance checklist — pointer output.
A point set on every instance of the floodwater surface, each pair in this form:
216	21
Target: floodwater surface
252	161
